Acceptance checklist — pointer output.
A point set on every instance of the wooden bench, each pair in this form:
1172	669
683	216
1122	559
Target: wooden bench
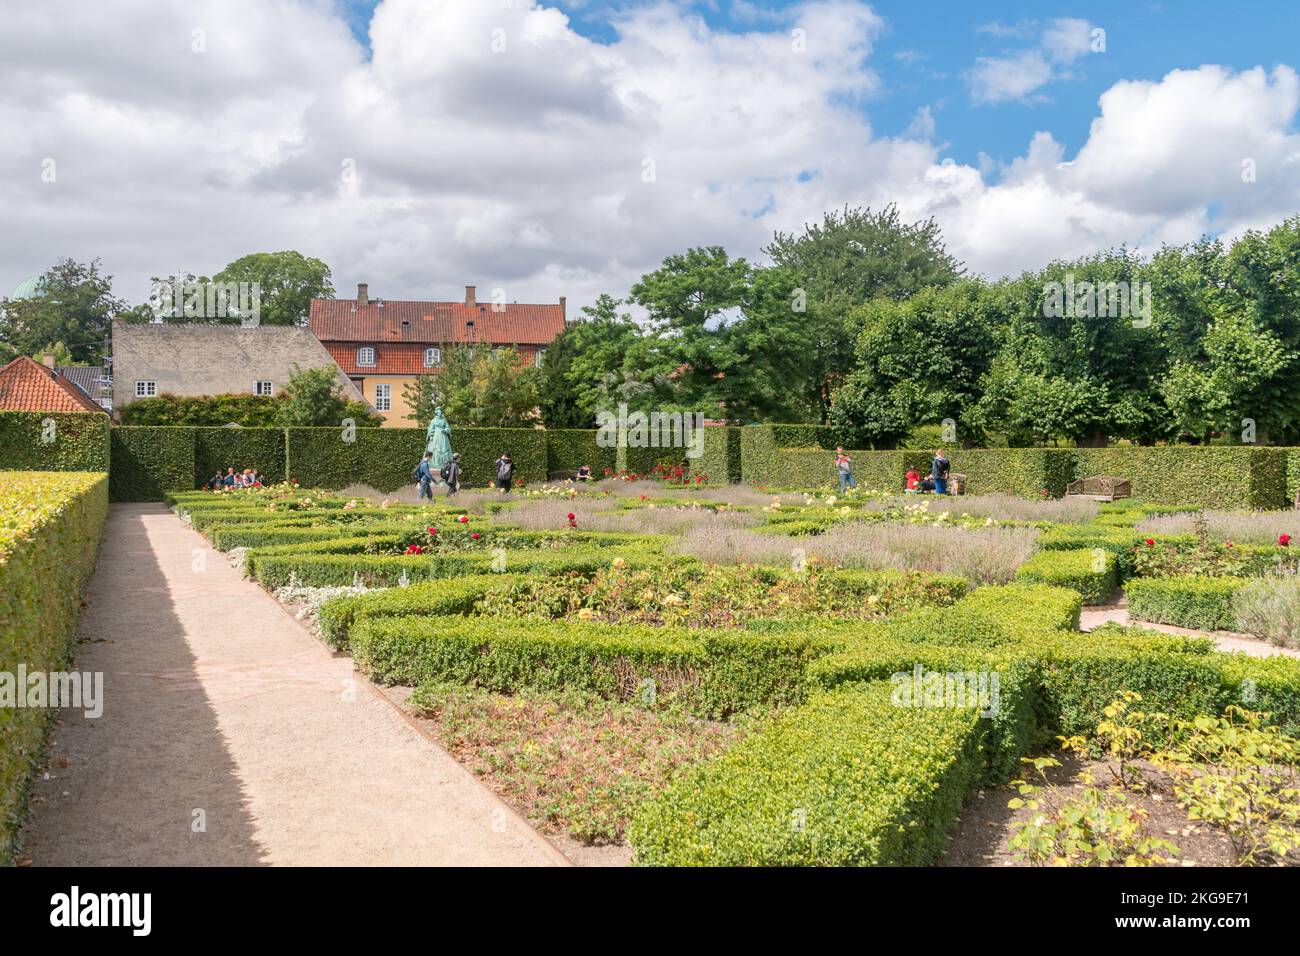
1100	488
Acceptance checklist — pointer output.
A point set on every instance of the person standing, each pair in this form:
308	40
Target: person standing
424	475
844	465
939	472
505	472
451	474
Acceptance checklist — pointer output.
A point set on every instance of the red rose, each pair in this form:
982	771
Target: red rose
1227	544
463	519
1151	540
476	536
571	516
1284	539
431	530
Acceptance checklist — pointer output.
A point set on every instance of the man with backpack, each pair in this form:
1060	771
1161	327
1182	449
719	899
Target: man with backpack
424	476
505	472
451	474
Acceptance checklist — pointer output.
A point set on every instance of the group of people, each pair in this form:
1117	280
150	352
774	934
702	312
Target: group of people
936	483
427	473
248	478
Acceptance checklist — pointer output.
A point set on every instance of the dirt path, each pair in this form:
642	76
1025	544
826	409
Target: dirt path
1097	615
231	736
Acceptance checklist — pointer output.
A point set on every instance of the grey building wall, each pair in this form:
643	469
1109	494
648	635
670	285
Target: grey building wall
208	359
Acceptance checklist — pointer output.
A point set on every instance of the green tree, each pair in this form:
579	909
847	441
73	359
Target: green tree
313	396
847	260
75	306
587	366
62	354
478	386
288	281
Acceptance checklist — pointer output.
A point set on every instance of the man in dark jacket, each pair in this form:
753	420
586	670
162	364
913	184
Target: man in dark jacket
424	475
505	472
939	472
451	474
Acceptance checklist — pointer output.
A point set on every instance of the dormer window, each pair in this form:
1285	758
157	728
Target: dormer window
366	356
432	357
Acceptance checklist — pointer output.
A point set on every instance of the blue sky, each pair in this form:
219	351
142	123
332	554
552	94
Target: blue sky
927	50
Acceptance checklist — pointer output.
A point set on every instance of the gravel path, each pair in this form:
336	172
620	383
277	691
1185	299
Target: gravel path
1097	615
231	736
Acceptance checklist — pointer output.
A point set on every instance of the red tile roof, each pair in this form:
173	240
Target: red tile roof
435	323
391	358
28	386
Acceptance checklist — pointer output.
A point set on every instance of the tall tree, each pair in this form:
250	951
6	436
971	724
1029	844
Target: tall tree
847	260
586	365
478	386
287	281
313	396
75	306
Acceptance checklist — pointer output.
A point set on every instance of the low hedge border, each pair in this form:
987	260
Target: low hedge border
1090	571
1203	603
54	441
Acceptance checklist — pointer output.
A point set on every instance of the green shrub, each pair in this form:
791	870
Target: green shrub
1202	475
50	529
847	780
1089	571
54	441
1203	603
384	458
148	462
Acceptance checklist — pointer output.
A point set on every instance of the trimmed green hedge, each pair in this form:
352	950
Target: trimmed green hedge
1204	603
1090	571
149	461
385	457
54	441
849	779
1210	476
568	449
239	448
50	529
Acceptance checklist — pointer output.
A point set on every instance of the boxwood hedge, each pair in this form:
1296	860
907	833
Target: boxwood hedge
50	529
1090	571
54	441
1204	603
148	461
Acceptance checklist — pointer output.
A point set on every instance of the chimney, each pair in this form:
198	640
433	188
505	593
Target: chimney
471	296
363	294
564	310
48	360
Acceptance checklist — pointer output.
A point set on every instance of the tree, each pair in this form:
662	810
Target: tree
921	361
724	337
75	306
313	396
478	386
288	281
586	366
62	354
847	260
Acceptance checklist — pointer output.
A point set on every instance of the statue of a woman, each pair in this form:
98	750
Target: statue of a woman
439	441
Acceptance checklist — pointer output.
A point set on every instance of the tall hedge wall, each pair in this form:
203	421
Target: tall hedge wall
568	449
721	456
71	441
148	461
239	448
53	523
1211	476
385	457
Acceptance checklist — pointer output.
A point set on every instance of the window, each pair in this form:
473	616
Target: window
537	358
496	354
432	357
146	389
263	387
383	398
366	356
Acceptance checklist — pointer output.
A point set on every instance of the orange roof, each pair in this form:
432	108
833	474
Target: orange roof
28	386
393	358
435	323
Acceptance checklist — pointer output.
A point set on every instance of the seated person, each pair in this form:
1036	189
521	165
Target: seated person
255	478
230	480
927	486
913	479
584	474
246	479
215	482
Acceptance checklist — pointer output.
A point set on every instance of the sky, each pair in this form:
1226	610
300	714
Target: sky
564	148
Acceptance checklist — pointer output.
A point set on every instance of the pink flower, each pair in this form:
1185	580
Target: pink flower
431	530
463	519
476	536
415	549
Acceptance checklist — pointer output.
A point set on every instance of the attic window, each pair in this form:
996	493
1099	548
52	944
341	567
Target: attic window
365	356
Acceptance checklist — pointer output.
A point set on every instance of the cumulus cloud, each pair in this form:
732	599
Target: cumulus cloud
1016	75
491	144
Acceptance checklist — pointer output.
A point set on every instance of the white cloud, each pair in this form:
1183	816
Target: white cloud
1014	76
525	169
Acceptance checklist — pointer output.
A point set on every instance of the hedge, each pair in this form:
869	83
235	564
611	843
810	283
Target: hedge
1090	571
1203	603
384	458
54	441
568	449
849	779
50	532
149	461
1209	476
239	448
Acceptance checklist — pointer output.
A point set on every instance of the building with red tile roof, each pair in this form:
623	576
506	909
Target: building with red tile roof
385	345
28	386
